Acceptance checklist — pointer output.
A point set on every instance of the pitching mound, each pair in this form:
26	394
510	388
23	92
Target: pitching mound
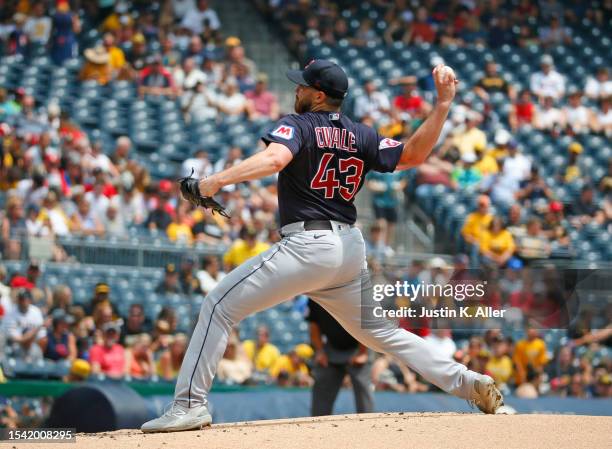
377	430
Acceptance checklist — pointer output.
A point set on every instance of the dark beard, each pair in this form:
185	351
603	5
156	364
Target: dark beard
304	106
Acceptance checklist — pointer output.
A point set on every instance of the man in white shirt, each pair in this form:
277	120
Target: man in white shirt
210	275
38	26
599	86
98	201
24	326
373	104
516	163
187	76
547	82
201	18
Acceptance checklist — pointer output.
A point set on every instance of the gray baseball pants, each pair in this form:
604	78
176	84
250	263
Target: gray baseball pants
327	266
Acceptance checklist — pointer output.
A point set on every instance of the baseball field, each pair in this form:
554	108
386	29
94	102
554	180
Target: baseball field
376	430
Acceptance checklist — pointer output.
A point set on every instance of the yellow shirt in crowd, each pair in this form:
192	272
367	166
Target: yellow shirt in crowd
117	58
498	243
264	358
283	363
179	231
240	252
487	165
475	225
529	353
500	369
468	141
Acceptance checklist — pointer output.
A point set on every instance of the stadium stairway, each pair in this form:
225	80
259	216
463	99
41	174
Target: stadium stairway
241	18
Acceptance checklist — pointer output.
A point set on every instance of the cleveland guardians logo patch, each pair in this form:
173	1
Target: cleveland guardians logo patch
284	132
388	143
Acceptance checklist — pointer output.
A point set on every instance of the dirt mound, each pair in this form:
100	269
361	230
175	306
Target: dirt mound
376	430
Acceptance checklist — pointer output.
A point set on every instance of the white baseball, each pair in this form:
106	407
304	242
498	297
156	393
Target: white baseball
447	73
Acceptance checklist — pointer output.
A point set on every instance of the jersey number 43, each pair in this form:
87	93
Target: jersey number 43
325	179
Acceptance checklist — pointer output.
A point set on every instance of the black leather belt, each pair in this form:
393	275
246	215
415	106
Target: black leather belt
319	225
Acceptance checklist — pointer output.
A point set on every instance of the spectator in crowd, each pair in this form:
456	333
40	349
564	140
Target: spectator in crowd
533	244
555	33
155	79
59	343
38	25
244	248
188	75
523	111
572	170
466	175
61	298
66	26
200	18
478	221
471	137
534	188
138	55
409	103
116	57
584	210
210	275
603	118
24	326
496	243
234	368
179	230
230	100
577	117
13	228
548	117
547	82
599	86
171	359
337	354
113	223
261	352
263	103
500	366
84	222
136	322
492	83
160	218
97	66
189	282
530	388
290	370
421	29
374	105
199	103
170	283
108	357
139	357
529	353
376	246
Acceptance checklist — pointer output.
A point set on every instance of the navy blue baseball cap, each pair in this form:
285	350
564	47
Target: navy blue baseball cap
322	75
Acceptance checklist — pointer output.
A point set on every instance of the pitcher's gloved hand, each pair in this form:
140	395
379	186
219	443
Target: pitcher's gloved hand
190	191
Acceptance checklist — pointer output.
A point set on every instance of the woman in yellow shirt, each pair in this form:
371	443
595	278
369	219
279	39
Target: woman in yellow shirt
497	243
179	229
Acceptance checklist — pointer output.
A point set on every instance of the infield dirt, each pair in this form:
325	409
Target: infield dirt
376	430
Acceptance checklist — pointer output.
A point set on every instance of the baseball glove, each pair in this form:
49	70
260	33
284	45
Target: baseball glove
191	192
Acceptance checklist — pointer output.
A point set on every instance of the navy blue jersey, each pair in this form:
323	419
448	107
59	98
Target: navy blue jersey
331	157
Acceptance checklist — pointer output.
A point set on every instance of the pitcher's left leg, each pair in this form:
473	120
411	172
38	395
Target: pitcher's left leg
344	304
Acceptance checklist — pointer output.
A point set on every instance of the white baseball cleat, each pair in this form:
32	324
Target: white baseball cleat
486	395
179	418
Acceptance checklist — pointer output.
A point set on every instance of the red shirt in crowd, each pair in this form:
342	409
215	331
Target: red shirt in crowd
423	32
111	360
262	102
524	112
408	104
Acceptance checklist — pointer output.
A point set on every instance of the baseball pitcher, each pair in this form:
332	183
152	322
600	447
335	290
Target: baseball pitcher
322	158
